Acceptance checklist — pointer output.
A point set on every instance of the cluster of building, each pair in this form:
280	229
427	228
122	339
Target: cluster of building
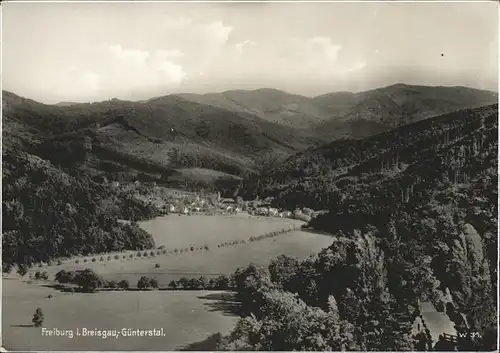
187	207
270	212
187	203
229	205
225	205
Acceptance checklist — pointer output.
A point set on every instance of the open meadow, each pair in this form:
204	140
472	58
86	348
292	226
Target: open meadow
214	262
176	231
210	263
187	317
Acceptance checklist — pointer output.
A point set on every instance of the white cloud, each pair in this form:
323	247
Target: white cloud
133	56
316	56
181	46
171	53
184	32
200	42
119	68
239	46
180	22
89	80
217	31
172	73
214	37
356	67
133	68
324	47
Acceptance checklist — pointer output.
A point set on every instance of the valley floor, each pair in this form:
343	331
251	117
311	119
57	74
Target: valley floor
187	317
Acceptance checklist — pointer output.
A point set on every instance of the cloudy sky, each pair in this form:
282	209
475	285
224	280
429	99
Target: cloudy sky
87	52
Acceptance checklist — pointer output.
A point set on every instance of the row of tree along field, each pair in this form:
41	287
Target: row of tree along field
161	250
88	281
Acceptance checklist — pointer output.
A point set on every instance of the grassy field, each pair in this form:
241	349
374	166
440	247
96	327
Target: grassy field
181	232
204	263
185	231
186	317
175	231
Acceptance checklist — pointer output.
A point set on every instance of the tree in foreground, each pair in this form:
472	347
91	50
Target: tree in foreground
123	284
64	276
38	318
153	283
288	324
89	281
144	282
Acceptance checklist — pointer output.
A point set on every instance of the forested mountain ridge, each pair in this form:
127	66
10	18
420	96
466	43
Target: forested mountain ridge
349	115
385	108
234	132
270	104
128	138
414	218
313	177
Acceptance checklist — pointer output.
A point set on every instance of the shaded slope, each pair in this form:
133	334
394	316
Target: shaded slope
48	213
313	177
168	131
345	114
394	106
269	104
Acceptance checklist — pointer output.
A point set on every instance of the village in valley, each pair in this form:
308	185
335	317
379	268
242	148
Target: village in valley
173	201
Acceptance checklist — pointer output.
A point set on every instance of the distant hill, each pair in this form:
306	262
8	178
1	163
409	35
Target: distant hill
349	115
65	104
311	178
155	137
235	132
364	114
269	104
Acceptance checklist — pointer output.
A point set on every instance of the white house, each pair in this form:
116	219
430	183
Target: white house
273	212
227	201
